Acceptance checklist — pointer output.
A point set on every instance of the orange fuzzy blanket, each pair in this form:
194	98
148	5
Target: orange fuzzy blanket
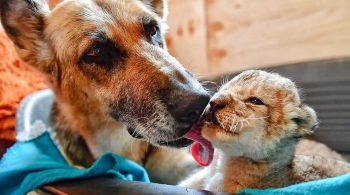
17	79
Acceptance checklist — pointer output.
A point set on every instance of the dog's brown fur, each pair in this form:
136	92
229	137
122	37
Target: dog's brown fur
134	87
259	119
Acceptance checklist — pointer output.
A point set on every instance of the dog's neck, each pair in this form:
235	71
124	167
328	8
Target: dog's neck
83	135
231	174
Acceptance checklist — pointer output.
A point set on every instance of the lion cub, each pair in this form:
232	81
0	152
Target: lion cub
254	123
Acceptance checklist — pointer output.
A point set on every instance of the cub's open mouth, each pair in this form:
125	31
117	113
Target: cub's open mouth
202	150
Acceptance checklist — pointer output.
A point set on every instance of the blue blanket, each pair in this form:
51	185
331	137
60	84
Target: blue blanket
29	165
337	185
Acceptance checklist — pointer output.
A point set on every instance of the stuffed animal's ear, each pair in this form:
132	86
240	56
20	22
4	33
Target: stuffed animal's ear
160	7
24	23
306	120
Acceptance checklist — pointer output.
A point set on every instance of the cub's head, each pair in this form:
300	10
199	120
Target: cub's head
257	114
109	65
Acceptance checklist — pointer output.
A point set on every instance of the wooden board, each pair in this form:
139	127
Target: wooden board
253	34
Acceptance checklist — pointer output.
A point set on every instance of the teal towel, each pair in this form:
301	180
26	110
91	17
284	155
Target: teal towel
31	164
331	186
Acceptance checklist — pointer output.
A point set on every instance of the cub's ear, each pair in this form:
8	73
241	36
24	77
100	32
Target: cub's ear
160	7
306	120
24	23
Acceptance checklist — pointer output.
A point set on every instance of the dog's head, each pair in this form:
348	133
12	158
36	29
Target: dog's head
108	60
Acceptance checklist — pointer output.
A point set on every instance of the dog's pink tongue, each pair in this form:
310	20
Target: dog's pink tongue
202	150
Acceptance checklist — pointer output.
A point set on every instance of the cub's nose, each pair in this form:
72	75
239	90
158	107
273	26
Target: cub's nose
214	107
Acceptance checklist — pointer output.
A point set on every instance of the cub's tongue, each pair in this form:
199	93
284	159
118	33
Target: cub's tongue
202	150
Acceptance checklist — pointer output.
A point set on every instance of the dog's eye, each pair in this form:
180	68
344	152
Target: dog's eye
103	54
255	101
152	32
94	54
152	29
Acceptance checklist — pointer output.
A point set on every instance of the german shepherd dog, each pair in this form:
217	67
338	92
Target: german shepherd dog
113	79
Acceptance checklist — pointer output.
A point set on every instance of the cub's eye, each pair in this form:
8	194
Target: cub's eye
255	101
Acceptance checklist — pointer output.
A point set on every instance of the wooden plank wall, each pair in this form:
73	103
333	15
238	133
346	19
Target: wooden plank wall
244	34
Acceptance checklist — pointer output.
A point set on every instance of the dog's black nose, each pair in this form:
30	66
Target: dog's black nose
189	108
194	109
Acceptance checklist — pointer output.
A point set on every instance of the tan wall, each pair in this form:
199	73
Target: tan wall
243	34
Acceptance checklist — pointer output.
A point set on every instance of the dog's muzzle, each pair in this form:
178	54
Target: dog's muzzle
186	111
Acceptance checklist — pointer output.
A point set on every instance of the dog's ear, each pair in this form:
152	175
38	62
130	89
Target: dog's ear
306	120
24	22
160	7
